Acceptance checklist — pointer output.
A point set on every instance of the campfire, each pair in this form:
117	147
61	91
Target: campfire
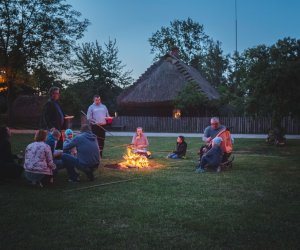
134	159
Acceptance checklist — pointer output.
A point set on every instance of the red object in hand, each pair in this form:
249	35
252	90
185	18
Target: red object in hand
108	120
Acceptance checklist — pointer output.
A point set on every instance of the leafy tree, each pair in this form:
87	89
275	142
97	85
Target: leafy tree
191	99
268	80
35	31
42	79
114	67
215	65
98	70
187	35
94	62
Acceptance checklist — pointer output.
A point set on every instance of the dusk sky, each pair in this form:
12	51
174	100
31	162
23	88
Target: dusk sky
132	23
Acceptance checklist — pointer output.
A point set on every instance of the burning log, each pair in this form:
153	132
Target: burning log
135	159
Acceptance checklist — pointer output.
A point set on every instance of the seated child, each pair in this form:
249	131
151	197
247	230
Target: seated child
140	143
68	138
180	150
52	139
213	157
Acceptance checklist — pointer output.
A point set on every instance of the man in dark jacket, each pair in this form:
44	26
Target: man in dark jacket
180	150
53	115
88	156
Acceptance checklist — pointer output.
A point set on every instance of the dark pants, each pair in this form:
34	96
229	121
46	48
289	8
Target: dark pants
70	161
100	133
72	174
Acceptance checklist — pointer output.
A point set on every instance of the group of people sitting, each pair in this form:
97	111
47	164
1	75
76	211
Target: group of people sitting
43	161
140	144
217	148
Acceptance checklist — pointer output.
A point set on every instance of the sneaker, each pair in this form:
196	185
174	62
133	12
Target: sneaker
219	169
200	170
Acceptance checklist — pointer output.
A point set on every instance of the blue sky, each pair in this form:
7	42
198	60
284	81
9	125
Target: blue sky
132	23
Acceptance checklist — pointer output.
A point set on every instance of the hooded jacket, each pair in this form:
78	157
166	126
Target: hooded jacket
87	148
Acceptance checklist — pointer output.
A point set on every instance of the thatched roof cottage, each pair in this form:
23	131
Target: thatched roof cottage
153	94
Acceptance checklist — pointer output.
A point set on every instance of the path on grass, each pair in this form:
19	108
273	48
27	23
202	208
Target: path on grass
150	134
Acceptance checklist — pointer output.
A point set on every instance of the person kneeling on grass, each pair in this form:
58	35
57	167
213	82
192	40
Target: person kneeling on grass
212	158
39	163
180	150
52	139
88	156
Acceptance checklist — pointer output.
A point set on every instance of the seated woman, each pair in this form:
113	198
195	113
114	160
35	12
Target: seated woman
9	169
180	150
212	158
140	143
39	163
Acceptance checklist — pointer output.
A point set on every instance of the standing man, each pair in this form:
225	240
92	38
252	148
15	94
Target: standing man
53	115
97	112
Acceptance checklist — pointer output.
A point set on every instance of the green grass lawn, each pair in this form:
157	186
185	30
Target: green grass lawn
253	206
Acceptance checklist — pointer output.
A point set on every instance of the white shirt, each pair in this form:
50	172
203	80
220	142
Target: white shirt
97	113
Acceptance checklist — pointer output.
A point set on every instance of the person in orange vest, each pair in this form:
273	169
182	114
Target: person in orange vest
217	130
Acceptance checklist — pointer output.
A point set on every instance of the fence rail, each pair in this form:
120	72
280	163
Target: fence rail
238	125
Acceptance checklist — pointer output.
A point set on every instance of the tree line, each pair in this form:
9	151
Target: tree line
39	49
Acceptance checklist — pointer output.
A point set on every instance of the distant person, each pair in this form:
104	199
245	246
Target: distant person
140	142
97	114
212	158
210	132
9	168
53	115
180	149
68	138
88	156
39	163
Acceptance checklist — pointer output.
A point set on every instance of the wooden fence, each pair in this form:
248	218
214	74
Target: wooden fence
238	125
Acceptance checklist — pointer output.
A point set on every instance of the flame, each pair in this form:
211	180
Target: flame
134	159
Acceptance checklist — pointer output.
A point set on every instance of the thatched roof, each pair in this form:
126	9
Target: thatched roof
161	83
